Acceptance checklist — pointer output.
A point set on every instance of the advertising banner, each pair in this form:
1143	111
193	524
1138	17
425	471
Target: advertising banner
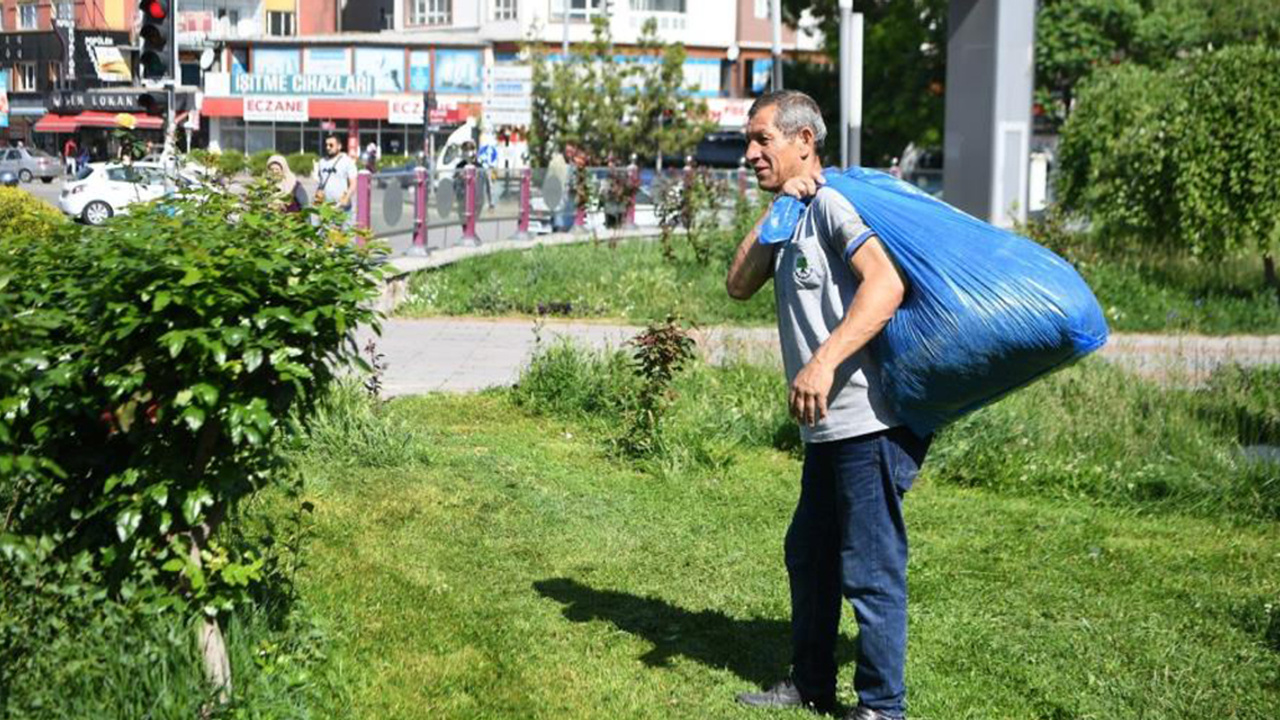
4	98
704	74
384	65
276	109
327	61
458	72
276	61
420	70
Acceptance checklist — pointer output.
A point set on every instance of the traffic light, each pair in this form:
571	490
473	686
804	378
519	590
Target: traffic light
155	57
153	103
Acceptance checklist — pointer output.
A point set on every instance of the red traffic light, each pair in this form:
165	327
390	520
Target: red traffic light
155	9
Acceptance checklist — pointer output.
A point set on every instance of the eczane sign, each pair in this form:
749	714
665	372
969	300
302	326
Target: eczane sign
276	109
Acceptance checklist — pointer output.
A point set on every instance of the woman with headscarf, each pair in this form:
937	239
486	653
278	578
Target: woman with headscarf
278	170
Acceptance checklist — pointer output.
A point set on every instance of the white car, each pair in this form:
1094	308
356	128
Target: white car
105	189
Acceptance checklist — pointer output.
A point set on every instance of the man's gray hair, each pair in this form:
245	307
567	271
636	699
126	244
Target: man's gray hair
796	111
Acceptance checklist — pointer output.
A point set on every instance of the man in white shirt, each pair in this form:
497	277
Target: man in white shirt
337	175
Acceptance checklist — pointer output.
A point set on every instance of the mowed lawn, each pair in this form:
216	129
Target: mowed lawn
524	573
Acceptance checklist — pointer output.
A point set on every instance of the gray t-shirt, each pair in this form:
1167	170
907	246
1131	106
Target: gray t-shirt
336	174
814	287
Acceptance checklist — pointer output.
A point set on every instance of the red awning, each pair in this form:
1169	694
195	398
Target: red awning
89	118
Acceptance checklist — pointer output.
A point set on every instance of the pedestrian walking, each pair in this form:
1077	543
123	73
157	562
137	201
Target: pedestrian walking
337	174
69	153
295	196
835	287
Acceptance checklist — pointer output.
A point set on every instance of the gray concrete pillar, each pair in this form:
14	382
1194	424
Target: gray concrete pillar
990	77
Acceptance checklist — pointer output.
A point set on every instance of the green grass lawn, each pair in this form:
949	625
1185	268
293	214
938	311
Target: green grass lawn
522	571
633	282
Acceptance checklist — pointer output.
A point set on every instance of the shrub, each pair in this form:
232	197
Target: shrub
1186	159
23	214
302	164
388	162
258	162
147	379
230	163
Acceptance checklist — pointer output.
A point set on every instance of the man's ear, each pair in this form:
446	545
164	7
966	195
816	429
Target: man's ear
808	142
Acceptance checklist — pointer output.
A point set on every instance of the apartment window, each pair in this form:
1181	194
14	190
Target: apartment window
504	9
24	79
667	6
431	12
66	11
578	9
27	16
280	23
762	9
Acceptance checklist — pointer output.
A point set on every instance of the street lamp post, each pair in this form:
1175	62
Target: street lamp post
776	19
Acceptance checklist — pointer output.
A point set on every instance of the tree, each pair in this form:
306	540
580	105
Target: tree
1189	152
608	105
904	72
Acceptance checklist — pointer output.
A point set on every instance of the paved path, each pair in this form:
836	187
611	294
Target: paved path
466	354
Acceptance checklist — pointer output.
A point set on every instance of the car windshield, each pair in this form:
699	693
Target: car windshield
84	172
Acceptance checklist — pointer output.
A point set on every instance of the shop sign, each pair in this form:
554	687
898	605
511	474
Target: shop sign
66	103
302	84
459	71
405	110
728	112
270	109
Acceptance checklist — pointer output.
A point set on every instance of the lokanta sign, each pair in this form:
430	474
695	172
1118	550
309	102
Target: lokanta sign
276	109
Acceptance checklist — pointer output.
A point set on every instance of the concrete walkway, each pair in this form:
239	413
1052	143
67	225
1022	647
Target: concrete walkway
467	354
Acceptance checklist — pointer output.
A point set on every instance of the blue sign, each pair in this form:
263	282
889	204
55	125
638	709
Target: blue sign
4	98
420	70
487	155
458	72
760	70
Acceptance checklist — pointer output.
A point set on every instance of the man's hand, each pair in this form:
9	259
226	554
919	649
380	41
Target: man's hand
809	392
804	186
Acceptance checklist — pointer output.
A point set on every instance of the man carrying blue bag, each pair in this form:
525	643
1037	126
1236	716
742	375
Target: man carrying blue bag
836	287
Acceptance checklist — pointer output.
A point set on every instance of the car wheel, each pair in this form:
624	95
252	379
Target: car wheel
96	212
24	175
46	180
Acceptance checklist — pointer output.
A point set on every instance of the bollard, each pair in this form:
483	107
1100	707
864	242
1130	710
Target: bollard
526	202
364	200
469	220
633	188
419	247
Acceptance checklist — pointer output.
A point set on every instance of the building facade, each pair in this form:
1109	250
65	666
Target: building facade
53	51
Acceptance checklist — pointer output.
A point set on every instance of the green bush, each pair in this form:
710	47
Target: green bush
148	379
258	162
21	213
230	163
388	162
1186	160
302	164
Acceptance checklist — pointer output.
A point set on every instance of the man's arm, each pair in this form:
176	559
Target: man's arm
877	299
351	185
752	264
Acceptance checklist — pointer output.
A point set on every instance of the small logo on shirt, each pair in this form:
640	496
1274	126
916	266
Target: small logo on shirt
803	271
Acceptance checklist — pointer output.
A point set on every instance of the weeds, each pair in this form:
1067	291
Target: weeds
351	427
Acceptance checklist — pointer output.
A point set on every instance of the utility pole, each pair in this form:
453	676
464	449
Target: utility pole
170	121
564	47
776	13
850	85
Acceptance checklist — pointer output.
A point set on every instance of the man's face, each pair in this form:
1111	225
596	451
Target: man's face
331	147
775	157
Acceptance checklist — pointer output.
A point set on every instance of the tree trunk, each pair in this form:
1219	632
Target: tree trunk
1269	272
213	648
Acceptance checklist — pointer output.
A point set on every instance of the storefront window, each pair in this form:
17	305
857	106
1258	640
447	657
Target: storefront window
288	138
259	137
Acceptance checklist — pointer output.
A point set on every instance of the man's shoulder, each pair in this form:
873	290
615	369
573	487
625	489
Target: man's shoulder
830	200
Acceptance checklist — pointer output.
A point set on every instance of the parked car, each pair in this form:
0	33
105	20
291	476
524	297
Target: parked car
30	163
105	189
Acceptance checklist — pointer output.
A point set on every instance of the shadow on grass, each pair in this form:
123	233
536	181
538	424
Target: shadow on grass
757	650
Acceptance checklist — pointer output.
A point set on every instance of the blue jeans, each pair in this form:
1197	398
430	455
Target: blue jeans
848	539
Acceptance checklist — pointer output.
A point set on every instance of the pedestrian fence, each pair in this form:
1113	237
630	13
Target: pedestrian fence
417	211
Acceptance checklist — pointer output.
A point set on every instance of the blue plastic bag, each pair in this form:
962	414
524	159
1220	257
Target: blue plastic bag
986	311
